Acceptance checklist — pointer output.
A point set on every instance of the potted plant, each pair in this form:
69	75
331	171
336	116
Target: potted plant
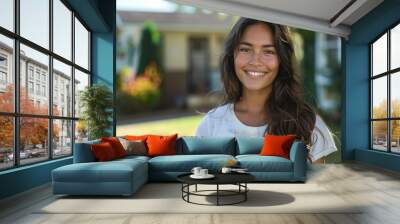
96	102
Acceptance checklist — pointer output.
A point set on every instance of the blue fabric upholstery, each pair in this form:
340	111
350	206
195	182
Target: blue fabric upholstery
184	163
83	152
119	177
190	145
249	145
257	163
126	175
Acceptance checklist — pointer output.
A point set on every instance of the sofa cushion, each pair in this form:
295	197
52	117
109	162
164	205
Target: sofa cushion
103	151
249	145
116	145
257	163
134	147
83	153
185	163
161	145
111	171
190	145
277	145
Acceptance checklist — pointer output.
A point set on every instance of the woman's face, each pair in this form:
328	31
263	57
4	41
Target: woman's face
256	59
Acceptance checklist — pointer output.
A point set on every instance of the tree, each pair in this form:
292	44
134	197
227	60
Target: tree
97	104
149	47
33	130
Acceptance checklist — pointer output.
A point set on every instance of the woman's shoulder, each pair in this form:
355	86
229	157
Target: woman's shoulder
219	112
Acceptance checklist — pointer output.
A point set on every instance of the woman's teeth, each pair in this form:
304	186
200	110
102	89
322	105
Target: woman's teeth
255	74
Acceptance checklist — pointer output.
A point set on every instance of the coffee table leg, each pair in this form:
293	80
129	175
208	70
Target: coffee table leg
245	191
196	188
217	194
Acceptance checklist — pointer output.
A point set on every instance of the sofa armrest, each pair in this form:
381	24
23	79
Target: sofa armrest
298	155
83	152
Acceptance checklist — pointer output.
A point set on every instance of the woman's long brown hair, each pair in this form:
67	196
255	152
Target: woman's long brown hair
287	112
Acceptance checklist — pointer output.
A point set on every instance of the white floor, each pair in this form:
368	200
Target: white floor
376	188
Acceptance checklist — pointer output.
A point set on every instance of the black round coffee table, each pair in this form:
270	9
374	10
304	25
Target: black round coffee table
238	179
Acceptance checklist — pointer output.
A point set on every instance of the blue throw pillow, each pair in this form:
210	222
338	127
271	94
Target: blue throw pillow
249	145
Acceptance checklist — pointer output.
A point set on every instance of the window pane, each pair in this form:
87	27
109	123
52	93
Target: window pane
81	81
34	97
62	29
379	100
7	14
6	142
379	55
81	45
62	138
33	139
395	94
62	89
81	131
379	135
35	21
395	136
6	74
395	47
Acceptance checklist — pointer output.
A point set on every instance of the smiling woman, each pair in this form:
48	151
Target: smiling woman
262	91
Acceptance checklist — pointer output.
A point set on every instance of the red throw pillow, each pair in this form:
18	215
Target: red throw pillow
277	145
103	151
161	145
116	145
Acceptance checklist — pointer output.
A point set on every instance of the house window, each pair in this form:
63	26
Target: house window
385	95
39	44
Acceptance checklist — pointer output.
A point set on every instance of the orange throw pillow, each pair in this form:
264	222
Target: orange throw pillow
161	145
277	145
136	137
103	151
116	145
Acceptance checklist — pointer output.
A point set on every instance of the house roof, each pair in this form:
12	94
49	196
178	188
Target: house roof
179	21
326	16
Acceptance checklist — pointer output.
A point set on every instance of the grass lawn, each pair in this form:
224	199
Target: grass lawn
184	126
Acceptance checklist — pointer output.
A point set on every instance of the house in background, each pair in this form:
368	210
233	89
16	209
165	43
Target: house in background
191	46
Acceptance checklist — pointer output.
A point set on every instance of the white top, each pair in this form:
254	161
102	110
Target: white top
222	122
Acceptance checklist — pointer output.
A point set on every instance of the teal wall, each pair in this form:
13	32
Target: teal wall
356	114
99	16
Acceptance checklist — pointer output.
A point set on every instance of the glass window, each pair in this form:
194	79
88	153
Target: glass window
379	135
40	62
62	72
33	140
81	45
34	21
7	14
395	47
385	125
6	142
379	56
379	100
62	29
81	131
395	95
62	137
6	73
395	136
30	87
81	81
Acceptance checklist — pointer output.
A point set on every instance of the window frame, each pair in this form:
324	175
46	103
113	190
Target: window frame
388	74
16	114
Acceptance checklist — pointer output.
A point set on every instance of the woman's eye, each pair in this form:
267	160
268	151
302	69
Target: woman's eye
269	52
244	50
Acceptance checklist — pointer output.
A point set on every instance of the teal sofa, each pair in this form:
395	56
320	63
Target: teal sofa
125	176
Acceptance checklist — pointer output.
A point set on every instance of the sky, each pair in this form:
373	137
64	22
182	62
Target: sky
146	5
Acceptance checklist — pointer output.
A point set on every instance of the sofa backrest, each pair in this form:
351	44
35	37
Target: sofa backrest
249	145
83	152
192	145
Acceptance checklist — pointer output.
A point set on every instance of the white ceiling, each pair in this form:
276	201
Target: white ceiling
324	16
